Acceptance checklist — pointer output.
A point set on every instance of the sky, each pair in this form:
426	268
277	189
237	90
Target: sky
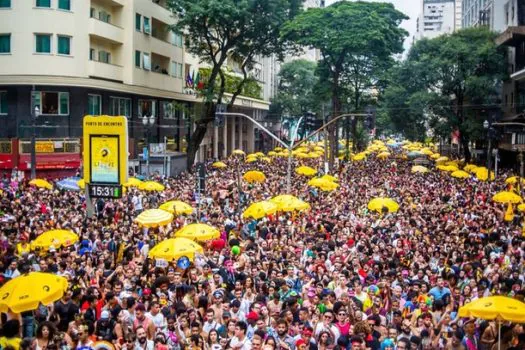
411	8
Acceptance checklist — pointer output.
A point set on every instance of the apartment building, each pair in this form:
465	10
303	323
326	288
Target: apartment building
64	59
437	17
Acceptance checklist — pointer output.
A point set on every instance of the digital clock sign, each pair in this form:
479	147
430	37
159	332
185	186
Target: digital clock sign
105	191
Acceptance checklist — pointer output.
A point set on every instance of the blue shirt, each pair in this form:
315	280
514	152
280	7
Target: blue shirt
439	293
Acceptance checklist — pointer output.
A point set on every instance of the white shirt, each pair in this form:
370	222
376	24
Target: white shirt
158	319
236	344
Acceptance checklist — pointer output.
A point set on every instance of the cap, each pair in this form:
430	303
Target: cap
307	332
300	342
252	315
104	315
235	303
218	294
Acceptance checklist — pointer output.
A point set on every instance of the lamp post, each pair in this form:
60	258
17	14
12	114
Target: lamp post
487	126
148	122
35	115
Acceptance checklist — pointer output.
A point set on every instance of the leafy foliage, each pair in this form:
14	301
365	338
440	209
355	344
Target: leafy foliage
251	87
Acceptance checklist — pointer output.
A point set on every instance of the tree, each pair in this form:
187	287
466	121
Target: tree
446	82
296	94
218	30
351	36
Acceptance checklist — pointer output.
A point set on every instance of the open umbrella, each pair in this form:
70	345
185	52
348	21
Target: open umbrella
69	184
329	178
506	197
177	208
449	168
26	292
288	202
359	157
151	186
133	182
323	184
460	174
499	308
174	248
251	159
378	204
482	174
258	210
470	167
514	180
55	239
306	171
198	232
41	183
254	176
383	155
441	160
154	218
219	165
238	152
419	169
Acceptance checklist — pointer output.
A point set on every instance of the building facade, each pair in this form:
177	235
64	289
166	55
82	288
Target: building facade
437	17
70	58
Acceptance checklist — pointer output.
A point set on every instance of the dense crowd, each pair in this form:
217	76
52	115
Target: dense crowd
337	276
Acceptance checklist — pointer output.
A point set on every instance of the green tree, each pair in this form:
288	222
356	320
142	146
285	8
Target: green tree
220	30
353	38
296	94
446	82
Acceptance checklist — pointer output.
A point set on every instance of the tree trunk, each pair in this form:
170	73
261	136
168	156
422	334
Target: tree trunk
198	134
464	144
332	129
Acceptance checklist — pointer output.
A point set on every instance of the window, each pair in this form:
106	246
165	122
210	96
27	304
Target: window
138	22
104	16
104	57
176	69
146	62
51	103
3	102
146	108
5	43
64	5
120	106
169	110
91	54
5	3
137	59
176	39
43	43
43	3
94	105
64	45
92	12
147	29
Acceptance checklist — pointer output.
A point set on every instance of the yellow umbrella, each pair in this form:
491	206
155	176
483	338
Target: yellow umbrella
470	167
460	174
288	202
449	168
26	292
219	165
154	218
254	176
133	182
174	248
383	155
258	210
514	180
238	152
506	197
259	154
251	160
266	159
435	156
306	171
314	155
41	183
359	157
81	183
55	239
198	232
495	308
482	174
379	203
509	213
272	154
419	169
177	208
278	149
329	178
151	186
323	184
441	160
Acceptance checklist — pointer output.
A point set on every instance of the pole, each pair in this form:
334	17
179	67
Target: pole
89	203
164	167
147	147
325	141
489	156
33	137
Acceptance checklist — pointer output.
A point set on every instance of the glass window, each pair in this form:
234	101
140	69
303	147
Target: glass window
179	70
137	58
64	45
43	3
138	22
64	4
3	102
120	106
168	110
146	108
146	62
104	57
176	39
92	12
51	103
91	54
147	29
5	43
5	3
43	43
94	105
104	16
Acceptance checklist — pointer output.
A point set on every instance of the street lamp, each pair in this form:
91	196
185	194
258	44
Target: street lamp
36	114
148	122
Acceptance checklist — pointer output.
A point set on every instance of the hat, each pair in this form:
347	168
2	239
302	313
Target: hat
300	342
140	307
218	294
146	291
252	315
235	303
104	315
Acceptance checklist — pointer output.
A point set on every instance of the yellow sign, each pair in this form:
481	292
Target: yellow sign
105	155
44	147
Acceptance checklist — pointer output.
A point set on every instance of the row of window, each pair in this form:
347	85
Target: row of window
143	60
57	103
143	24
61	4
43	44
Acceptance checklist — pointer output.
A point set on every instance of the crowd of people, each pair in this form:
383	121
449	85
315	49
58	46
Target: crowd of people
337	276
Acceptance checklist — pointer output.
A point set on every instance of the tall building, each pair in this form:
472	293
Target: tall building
458	15
437	17
69	58
484	12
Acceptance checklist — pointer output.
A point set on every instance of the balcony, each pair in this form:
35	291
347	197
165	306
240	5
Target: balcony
105	71
512	36
160	30
161	3
160	64
105	31
112	3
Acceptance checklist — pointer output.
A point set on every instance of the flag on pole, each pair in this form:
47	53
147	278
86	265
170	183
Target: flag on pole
189	81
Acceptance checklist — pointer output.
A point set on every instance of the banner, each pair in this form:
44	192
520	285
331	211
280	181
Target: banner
104	158
44	147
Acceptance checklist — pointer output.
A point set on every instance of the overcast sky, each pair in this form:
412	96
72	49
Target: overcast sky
410	8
